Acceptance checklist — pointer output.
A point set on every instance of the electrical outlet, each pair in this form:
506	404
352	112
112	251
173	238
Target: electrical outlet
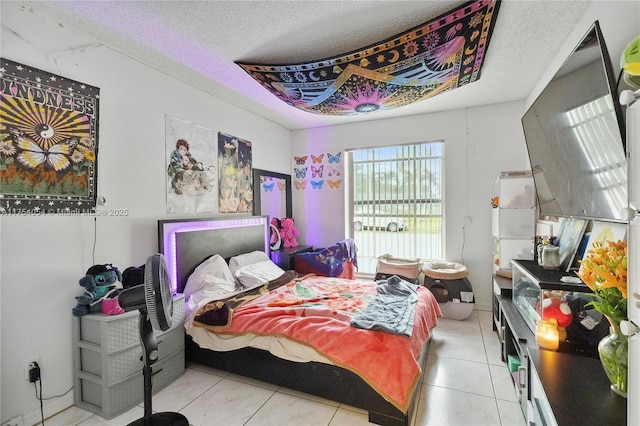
27	366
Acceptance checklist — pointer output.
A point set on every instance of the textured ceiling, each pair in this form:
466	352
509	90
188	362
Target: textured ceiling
198	41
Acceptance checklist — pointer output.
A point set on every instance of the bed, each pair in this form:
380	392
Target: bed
187	243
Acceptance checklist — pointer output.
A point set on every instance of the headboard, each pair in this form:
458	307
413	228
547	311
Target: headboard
185	243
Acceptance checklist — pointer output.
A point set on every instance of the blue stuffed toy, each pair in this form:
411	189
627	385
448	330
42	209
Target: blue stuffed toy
101	282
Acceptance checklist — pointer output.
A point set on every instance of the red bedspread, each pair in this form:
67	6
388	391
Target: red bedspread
316	311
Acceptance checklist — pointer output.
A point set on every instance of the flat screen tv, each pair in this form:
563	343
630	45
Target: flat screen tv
574	133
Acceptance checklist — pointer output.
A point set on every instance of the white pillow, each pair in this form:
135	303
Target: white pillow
250	258
212	275
258	273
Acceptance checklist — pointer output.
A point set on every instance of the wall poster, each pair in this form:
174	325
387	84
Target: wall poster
48	142
317	172
236	183
191	167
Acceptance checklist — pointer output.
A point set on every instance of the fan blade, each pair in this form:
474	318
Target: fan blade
157	285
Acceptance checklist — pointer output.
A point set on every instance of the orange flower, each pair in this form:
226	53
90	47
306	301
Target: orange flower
604	271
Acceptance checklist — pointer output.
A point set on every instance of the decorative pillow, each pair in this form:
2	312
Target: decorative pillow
212	275
250	258
258	273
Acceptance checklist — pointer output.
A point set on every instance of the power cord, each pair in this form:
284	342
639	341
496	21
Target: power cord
34	377
35	386
95	239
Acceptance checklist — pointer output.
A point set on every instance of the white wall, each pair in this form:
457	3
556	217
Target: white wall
44	257
479	144
619	22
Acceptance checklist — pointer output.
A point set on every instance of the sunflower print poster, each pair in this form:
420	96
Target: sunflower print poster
48	142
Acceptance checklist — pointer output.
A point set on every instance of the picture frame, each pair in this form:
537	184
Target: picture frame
601	232
568	240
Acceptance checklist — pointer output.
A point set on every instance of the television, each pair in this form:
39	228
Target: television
574	132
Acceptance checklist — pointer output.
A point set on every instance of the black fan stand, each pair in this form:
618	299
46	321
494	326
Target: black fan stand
150	344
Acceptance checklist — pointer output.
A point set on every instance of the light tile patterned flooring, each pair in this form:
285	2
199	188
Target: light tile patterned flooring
465	383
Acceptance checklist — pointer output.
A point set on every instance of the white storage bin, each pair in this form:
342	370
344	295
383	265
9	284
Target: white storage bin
515	190
513	223
507	249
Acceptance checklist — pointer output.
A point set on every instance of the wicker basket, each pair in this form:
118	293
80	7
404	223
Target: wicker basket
444	270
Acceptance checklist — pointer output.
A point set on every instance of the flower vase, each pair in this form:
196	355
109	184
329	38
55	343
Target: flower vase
613	350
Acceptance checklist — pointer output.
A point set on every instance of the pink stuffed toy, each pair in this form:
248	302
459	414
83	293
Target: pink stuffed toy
288	232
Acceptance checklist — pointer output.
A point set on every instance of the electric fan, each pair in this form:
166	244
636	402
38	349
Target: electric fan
155	302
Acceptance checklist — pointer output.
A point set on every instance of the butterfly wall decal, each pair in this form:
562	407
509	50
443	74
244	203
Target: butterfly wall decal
334	183
334	158
317	184
317	171
300	184
268	187
334	170
301	173
317	159
301	160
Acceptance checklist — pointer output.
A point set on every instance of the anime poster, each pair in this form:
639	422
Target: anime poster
48	142
234	165
190	168
318	172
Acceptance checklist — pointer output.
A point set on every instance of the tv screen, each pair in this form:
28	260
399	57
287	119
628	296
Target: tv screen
575	137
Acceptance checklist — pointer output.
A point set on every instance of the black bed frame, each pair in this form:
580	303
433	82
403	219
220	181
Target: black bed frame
229	238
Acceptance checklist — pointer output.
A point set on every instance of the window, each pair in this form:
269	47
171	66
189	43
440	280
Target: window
395	200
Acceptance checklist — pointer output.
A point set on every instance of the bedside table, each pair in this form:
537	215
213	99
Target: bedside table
284	257
107	360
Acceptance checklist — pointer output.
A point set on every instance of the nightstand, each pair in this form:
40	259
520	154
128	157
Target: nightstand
107	360
284	257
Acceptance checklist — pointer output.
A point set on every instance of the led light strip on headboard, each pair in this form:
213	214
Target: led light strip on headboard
169	230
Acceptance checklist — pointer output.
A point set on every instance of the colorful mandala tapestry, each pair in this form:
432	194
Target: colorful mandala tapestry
433	58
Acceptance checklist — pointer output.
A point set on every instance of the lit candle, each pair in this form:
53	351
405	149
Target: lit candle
547	336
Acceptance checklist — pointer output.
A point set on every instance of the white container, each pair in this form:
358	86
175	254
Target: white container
513	223
512	248
515	190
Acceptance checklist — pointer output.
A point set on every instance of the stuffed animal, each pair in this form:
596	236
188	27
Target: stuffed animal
288	232
554	307
100	282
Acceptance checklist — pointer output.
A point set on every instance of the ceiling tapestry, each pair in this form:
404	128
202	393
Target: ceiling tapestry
430	59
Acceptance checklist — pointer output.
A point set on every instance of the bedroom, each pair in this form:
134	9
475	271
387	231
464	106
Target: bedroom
43	258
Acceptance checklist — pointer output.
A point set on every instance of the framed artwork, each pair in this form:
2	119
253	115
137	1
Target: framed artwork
569	238
48	142
601	232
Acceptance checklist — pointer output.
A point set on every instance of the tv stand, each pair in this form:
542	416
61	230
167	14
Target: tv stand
555	387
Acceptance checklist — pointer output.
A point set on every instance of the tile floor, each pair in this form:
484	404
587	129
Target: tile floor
465	383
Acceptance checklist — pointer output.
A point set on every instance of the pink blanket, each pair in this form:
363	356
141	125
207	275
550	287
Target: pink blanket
316	311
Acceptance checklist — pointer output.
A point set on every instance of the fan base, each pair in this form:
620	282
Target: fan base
163	419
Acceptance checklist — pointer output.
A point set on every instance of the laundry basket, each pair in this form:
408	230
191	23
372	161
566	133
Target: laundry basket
449	284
